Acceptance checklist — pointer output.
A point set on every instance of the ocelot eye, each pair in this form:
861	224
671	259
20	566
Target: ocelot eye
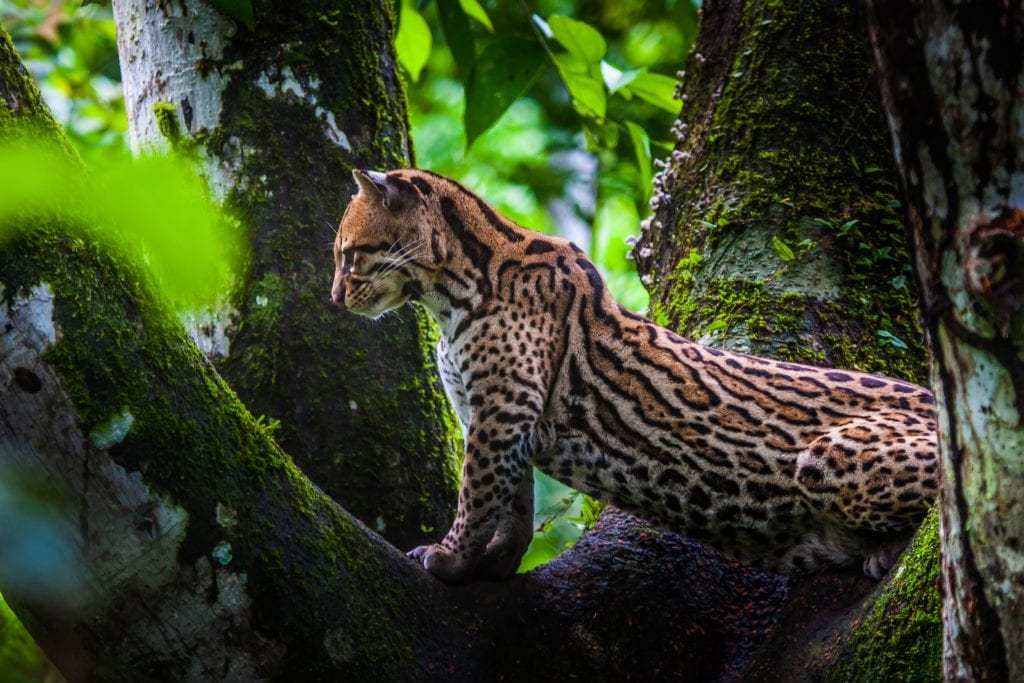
347	259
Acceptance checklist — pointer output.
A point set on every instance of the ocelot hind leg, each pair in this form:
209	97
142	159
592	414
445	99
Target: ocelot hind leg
874	474
512	537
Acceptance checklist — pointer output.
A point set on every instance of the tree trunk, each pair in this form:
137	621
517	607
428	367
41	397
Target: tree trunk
952	79
776	232
280	114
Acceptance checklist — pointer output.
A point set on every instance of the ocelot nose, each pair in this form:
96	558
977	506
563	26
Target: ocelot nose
338	292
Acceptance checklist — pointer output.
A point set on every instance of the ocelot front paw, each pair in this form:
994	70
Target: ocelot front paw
442	563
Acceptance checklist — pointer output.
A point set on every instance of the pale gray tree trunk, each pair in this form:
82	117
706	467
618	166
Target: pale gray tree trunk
952	76
277	114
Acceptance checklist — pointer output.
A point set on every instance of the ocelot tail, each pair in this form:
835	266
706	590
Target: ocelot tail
789	467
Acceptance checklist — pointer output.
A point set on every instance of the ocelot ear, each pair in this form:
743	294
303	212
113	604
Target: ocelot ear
378	186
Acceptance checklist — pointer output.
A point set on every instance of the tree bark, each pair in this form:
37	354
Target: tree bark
952	79
279	114
781	140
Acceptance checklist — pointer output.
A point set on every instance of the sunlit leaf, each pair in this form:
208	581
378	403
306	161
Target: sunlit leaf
152	208
642	150
580	39
502	73
615	78
413	41
474	9
655	89
239	10
458	36
587	92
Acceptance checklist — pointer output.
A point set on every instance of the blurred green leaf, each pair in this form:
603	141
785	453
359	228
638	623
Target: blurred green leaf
657	90
239	10
503	72
642	150
474	9
587	92
580	39
455	26
153	209
413	41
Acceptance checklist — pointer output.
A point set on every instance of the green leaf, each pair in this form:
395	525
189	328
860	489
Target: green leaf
893	339
152	209
239	10
459	37
716	324
655	89
475	9
413	40
642	150
580	39
502	73
782	249
587	92
615	78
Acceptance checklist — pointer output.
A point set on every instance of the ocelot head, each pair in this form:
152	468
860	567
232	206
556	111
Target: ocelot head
382	252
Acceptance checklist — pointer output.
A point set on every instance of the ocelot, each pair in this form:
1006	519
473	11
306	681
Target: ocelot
789	467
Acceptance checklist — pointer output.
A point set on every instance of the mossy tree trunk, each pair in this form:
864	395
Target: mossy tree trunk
952	81
776	231
206	555
280	112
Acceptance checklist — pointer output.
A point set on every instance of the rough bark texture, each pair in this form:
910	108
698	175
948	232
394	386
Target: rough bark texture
781	138
952	76
280	113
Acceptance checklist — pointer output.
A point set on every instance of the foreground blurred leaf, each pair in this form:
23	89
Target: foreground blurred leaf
413	41
501	74
153	209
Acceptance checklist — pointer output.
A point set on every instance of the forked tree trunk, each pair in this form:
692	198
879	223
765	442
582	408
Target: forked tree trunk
952	79
280	113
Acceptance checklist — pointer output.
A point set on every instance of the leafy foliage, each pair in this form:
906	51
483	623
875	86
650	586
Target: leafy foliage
71	49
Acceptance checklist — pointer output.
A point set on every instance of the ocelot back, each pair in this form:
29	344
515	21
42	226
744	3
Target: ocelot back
789	467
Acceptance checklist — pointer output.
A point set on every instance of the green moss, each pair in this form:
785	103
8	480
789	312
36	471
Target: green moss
167	122
774	165
900	638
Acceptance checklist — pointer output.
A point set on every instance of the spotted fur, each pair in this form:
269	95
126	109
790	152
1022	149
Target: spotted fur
790	467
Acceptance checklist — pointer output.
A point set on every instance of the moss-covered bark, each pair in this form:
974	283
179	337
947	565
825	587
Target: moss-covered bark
780	138
777	231
306	94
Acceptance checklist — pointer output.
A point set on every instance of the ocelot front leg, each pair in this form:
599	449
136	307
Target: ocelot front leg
493	524
876	474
